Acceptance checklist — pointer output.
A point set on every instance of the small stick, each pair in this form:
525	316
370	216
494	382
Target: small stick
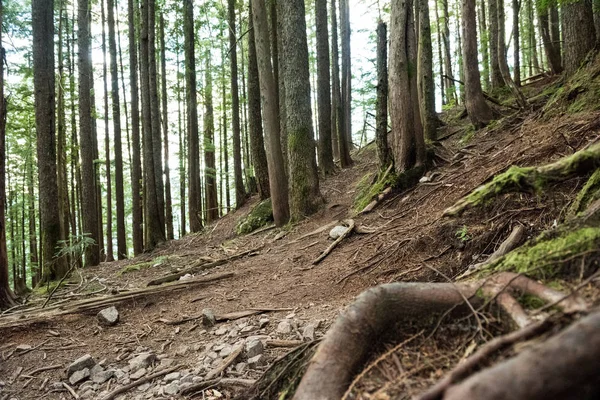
215	382
70	389
333	245
42	369
43	385
226	363
139	382
283	343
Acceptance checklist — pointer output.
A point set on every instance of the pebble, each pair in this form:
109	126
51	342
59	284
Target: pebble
257	361
226	350
337	231
143	360
138	374
173	376
263	322
171	389
82	362
208	317
284	327
108	316
221	331
79	376
254	348
309	332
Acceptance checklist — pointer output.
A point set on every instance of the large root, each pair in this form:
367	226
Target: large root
350	341
518	179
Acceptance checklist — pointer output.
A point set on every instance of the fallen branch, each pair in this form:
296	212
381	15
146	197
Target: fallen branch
139	382
200	268
381	197
216	382
42	369
226	363
226	317
333	245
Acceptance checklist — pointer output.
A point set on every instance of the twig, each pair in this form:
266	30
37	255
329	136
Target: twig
348	231
139	382
42	369
70	389
226	363
217	382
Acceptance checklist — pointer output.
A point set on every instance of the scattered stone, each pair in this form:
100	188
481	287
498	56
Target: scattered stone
182	350
171	389
187	379
143	360
212	355
241	367
144	387
108	316
57	386
248	329
216	362
291	315
208	317
79	376
337	231
167	362
100	375
173	376
221	331
309	332
82	362
263	322
226	350
284	327
254	348
138	374
280	235
233	333
218	347
186	277
23	347
257	361
2	383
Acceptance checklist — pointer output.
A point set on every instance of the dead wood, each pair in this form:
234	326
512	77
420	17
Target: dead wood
226	363
226	317
139	382
40	315
201	268
283	343
563	367
350	223
222	382
381	197
315	232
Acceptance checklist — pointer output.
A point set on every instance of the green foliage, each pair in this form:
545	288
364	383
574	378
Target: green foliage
530	302
468	135
589	193
463	234
75	247
260	216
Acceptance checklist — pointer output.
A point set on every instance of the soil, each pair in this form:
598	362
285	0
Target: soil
411	241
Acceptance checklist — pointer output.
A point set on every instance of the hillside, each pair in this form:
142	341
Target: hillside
268	297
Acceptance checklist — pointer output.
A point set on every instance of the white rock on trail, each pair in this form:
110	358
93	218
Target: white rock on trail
82	362
108	316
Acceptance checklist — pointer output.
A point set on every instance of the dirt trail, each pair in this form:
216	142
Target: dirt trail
411	242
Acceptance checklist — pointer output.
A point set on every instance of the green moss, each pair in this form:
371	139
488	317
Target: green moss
589	193
530	302
140	266
368	192
258	217
47	288
468	134
544	257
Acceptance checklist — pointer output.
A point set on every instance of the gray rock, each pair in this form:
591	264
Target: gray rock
226	350
79	376
82	362
57	386
221	331
254	348
167	362
248	329
144	387
284	327
257	361
208	317
212	355
241	367
337	231
188	378
143	360
100	375
138	374
182	350
171	389
173	376
309	332
108	316
263	322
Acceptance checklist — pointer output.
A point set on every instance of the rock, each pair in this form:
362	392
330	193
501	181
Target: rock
173	376
167	362
187	379
186	277
291	315
257	361
241	367
144	387
182	350
171	389
138	374
82	362
79	376
248	329
108	316
337	231
280	235
221	331
212	355
143	360
208	317
263	322
100	375
254	348
226	350
284	327
23	347
309	332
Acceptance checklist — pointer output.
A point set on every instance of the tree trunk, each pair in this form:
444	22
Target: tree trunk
194	196
450	88
257	146
155	228
182	152
381	135
484	44
440	54
496	75
519	97
578	33
532	39
280	90
346	73
210	184
240	192
305	197
277	178
426	86
43	81
165	127
407	132
338	122
323	89
136	165
551	48
6	295
36	271
516	6
479	112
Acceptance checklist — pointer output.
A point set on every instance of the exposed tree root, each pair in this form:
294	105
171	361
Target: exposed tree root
351	225
530	178
350	340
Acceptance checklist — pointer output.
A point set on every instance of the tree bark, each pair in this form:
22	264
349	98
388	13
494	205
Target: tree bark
281	91
240	192
381	135
551	48
479	112
484	44
257	146
136	165
578	33
305	197
516	6
450	88
496	75
346	73
210	180
277	177
182	153
519	97
429	118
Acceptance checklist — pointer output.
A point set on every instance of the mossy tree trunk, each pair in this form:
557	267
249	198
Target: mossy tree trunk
381	135
578	33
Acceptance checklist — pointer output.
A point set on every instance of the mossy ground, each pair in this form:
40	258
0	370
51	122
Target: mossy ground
261	215
589	193
367	190
140	266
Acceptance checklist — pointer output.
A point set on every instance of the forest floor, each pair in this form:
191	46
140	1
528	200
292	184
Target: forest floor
409	240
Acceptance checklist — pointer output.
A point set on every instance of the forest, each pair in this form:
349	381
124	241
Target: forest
299	199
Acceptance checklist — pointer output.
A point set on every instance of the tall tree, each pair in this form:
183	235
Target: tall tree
116	112
323	89
210	168
257	146
578	33
136	165
305	197
6	295
516	7
381	133
425	81
502	62
450	88
479	112
240	192
278	184
43	83
551	48
194	195
278	67
165	128
484	44
346	72
495	73
407	131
